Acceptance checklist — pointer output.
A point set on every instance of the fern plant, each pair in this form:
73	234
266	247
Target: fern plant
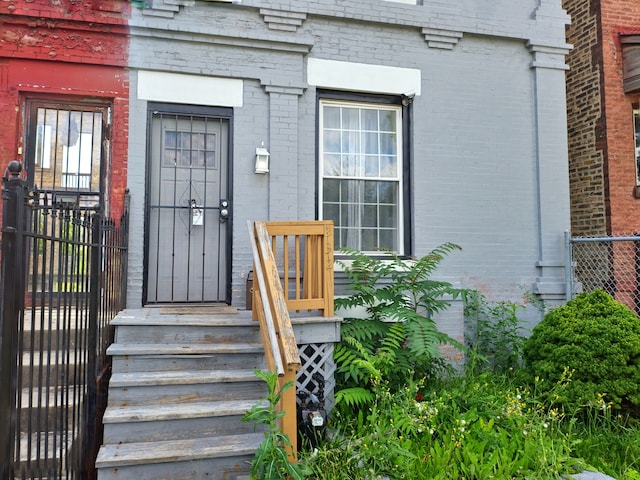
398	337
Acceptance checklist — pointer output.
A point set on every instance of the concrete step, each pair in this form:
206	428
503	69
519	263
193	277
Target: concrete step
41	454
143	388
43	339
215	458
49	409
146	423
51	368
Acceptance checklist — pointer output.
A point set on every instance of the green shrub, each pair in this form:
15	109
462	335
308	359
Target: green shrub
586	352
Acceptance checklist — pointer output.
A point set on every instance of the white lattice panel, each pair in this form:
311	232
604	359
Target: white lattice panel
317	358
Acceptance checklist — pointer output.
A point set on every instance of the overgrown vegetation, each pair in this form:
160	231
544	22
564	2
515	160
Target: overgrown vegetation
271	461
486	422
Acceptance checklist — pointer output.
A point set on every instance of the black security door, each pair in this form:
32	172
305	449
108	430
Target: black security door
188	208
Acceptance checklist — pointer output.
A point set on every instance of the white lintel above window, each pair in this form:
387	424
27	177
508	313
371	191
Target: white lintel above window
363	77
189	89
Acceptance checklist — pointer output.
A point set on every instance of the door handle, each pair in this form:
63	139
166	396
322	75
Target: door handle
224	210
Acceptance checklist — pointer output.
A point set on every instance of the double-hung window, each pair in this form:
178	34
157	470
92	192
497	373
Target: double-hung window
361	174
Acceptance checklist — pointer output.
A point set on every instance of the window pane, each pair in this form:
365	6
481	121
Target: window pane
184	140
370	119
197	141
331	141
331	117
332	165
169	158
349	214
170	139
388	144
389	240
211	159
371	142
210	139
369	240
389	167
331	211
184	158
350	166
198	159
350	142
331	191
370	216
371	166
351	118
388	121
388	192
371	192
388	216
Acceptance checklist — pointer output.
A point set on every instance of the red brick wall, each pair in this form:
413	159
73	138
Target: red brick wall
620	17
601	142
585	119
66	47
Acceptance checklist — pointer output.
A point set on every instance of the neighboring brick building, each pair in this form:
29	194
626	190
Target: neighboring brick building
603	92
64	96
603	111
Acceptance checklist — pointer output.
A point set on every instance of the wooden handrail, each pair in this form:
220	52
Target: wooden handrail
270	309
272	349
293	265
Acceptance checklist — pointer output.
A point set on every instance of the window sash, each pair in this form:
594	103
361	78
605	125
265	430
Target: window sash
361	190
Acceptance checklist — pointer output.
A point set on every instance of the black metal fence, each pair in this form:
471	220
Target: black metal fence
63	278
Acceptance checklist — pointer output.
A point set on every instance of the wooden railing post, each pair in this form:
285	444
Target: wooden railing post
289	422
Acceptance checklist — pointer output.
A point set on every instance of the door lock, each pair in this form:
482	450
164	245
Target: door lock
224	210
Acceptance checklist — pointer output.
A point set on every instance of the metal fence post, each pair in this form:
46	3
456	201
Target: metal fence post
95	289
568	267
123	242
12	291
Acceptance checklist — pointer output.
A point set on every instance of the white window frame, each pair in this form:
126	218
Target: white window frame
397	178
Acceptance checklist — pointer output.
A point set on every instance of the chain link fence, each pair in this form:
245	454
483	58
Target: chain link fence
609	263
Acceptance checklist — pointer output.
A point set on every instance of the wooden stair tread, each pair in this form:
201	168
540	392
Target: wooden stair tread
177	411
177	450
186	320
182	349
181	377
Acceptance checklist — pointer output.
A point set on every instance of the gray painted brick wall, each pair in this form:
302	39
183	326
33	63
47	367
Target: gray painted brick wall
485	173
